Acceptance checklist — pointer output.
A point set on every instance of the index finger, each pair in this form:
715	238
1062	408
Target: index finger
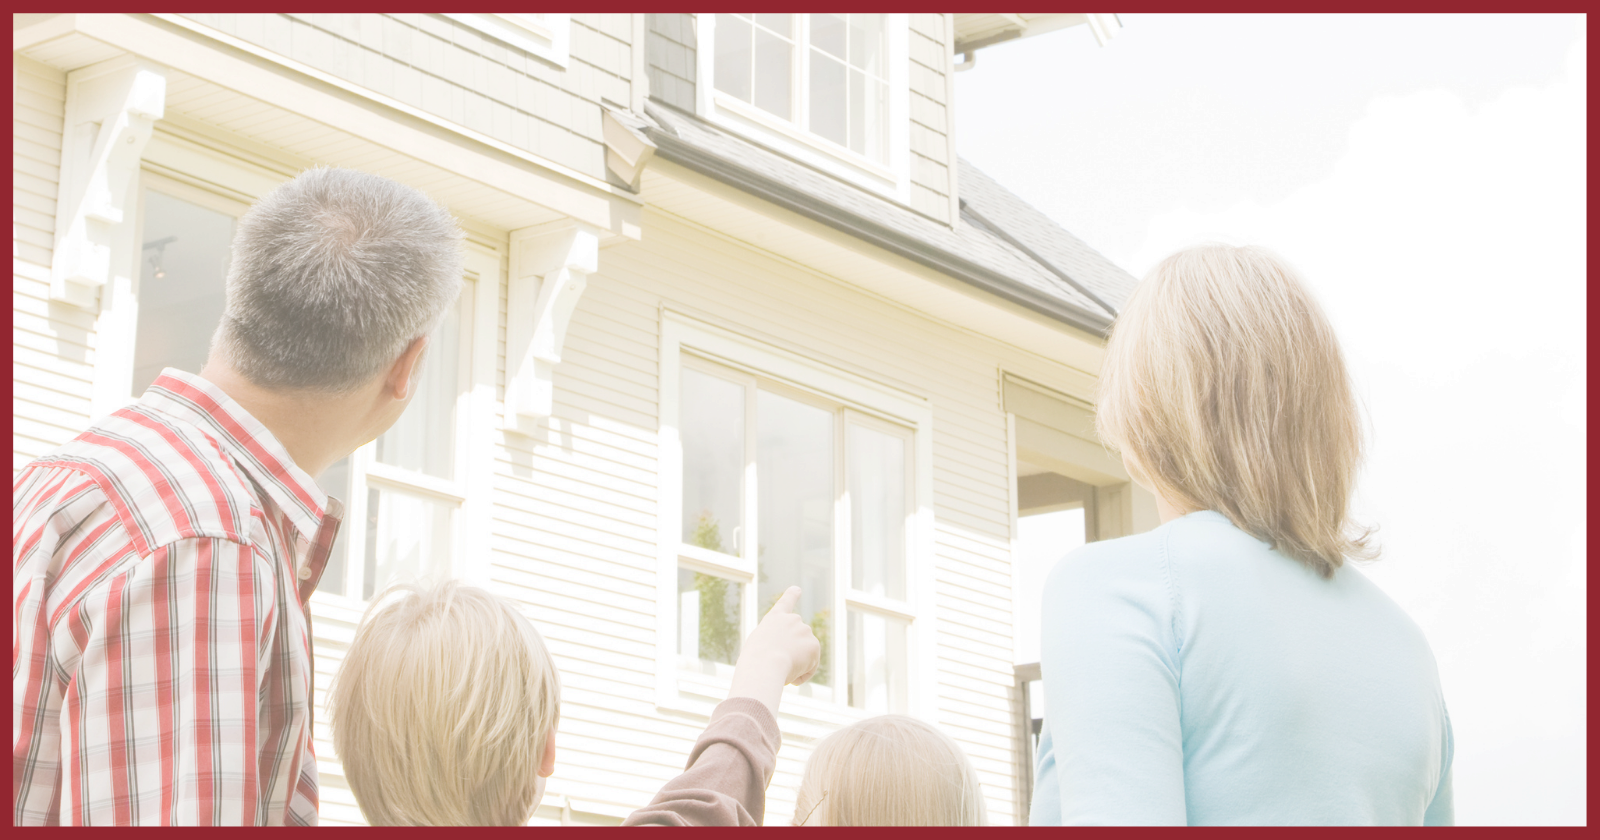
786	602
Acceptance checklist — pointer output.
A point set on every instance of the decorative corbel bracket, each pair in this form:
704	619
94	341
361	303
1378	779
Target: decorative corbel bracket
111	110
550	266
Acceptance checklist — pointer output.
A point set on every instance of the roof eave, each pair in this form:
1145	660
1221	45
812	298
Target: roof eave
672	148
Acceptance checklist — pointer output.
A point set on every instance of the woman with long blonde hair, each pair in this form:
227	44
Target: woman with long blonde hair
1230	666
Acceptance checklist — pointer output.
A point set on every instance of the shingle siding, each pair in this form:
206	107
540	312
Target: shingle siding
931	177
670	59
456	74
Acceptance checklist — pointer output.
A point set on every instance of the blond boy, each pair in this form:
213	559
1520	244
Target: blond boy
444	712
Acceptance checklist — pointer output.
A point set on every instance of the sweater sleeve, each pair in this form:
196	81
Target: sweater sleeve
725	782
1442	810
1110	668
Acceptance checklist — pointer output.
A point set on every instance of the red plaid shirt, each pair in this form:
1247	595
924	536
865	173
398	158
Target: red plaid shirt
161	652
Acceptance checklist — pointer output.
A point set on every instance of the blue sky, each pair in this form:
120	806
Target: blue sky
1427	175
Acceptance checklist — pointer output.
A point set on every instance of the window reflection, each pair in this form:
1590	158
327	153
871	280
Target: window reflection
183	272
795	493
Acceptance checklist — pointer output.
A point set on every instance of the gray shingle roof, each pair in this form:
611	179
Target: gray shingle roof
1036	231
968	250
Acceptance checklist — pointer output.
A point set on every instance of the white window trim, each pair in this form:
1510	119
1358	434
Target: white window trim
229	178
698	694
549	39
892	181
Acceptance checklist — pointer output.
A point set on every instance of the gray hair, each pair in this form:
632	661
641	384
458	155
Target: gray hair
334	274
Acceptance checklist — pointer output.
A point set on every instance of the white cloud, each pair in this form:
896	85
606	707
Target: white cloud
1448	246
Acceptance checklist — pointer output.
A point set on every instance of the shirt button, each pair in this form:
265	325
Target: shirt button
305	572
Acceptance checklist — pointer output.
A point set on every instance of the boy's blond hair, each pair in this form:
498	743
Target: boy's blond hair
889	770
1224	389
442	707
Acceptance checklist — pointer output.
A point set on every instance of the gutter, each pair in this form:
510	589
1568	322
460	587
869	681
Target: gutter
670	147
1000	232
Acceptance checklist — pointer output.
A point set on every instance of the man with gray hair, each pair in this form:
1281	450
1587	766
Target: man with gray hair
163	559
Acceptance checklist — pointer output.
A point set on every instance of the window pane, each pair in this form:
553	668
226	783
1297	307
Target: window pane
877	469
875	121
424	438
1042	539
335	481
733	56
828	34
708	617
774	74
781	24
408	538
183	274
858	112
713	461
827	98
878	663
795	494
869	43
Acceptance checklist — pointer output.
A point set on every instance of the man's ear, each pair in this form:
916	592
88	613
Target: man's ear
547	763
402	374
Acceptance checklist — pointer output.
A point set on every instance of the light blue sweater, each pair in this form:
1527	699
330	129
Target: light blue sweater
1194	676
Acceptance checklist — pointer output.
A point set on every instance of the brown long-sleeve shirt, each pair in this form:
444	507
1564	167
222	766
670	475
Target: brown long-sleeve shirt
725	780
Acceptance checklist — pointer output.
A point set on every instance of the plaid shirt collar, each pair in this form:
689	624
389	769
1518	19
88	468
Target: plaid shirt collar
252	446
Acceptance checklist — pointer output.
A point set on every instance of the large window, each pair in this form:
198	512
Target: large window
403	492
828	88
780	488
782	472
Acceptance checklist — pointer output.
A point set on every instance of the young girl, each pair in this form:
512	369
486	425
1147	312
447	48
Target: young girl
889	770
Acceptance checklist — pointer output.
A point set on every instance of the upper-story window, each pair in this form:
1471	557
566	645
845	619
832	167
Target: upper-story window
843	58
829	89
544	34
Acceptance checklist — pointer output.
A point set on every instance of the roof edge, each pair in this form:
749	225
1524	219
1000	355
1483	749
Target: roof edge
672	148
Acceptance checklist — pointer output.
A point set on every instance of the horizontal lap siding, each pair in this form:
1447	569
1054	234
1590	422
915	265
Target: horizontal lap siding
575	505
52	343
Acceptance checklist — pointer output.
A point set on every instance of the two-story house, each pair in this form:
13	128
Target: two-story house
737	317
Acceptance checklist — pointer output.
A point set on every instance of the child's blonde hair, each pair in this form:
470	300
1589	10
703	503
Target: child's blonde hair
1224	388
889	770
442	708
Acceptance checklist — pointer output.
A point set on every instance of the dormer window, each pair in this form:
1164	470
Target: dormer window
829	89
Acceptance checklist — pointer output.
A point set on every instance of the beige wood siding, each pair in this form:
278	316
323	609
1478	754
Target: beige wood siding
52	343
